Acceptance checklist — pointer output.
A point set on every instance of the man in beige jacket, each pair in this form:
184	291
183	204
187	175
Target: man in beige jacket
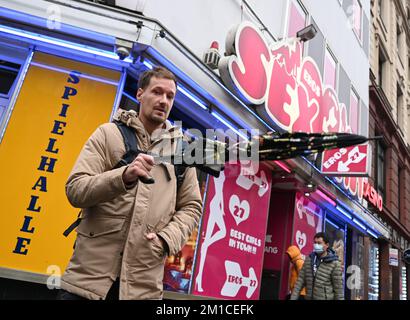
128	227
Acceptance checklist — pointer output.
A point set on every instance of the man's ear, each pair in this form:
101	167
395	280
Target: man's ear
139	93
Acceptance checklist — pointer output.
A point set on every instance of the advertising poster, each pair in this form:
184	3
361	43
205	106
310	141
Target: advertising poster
230	253
308	222
60	104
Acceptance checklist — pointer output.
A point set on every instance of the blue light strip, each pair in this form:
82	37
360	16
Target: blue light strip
372	233
360	224
60	43
118	96
82	75
344	212
180	88
130	97
332	224
192	97
337	187
149	65
63	28
228	124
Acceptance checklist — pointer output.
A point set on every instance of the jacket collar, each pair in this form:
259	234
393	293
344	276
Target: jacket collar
168	132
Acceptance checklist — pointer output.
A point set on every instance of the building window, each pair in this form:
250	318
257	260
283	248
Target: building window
382	67
382	12
381	169
330	70
354	111
399	107
400	193
357	18
399	40
297	18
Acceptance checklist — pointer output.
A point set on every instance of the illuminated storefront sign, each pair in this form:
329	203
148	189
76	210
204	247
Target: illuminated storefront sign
351	161
288	87
277	76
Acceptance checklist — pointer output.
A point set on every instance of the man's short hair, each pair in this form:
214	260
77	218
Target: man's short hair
323	236
157	72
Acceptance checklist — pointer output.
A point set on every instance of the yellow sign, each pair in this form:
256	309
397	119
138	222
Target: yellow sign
59	106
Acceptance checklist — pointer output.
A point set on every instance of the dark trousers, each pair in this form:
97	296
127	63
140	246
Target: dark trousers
113	293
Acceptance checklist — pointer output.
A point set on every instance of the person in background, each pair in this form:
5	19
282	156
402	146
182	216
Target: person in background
296	260
321	273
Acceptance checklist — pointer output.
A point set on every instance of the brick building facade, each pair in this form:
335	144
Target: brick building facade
389	117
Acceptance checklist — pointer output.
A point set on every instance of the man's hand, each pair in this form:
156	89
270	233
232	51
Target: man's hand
152	236
139	168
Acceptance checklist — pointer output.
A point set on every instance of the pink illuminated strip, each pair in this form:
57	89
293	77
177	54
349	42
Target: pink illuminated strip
281	165
320	193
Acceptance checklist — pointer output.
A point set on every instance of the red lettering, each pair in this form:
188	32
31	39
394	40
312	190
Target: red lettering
373	196
380	203
248	67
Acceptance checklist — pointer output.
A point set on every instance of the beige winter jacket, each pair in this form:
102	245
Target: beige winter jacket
110	239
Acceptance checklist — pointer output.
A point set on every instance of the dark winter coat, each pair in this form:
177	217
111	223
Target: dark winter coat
328	282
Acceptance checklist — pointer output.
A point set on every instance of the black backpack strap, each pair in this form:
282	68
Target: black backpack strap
74	225
180	169
180	175
131	145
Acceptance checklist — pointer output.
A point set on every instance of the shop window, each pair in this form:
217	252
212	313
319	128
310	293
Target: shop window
335	230
330	70
356	287
297	18
354	111
8	76
373	271
403	283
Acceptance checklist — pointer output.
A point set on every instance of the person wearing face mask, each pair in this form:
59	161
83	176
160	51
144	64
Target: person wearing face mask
321	273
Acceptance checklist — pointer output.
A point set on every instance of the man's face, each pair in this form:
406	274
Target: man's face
156	100
320	241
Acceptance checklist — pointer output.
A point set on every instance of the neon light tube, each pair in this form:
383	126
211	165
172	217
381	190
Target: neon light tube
229	125
372	234
130	97
325	197
344	212
180	88
61	43
82	75
148	64
359	224
282	166
191	97
331	223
